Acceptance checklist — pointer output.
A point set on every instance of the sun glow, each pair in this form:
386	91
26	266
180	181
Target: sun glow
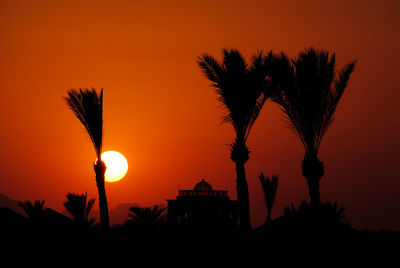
116	164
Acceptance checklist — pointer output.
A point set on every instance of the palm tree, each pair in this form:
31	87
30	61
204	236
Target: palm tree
306	218
308	89
241	90
87	106
148	218
33	211
79	208
270	187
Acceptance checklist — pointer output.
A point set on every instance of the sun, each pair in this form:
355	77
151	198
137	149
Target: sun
116	164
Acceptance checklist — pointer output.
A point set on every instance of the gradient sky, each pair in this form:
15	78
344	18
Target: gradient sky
160	112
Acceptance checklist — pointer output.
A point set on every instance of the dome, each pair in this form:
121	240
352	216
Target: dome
203	186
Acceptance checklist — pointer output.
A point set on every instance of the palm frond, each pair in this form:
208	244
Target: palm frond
147	216
78	206
33	210
89	206
234	62
211	68
87	106
327	215
270	187
335	95
240	87
308	91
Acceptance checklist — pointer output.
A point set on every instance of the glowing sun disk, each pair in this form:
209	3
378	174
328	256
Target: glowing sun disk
117	165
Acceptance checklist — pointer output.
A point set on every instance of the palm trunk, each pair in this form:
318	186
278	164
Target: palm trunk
243	198
313	189
313	170
269	216
240	155
244	216
269	208
100	170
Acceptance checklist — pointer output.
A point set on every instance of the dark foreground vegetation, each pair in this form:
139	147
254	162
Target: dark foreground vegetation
300	238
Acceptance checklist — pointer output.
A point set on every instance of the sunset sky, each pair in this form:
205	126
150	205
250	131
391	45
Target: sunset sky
162	115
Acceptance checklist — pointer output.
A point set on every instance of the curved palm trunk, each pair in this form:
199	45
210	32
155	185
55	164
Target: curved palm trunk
100	170
313	170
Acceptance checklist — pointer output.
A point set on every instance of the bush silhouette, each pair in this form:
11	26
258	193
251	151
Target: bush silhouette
328	218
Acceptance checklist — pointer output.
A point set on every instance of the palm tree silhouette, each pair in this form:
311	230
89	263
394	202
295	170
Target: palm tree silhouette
308	89
241	90
87	106
34	211
148	218
79	208
270	187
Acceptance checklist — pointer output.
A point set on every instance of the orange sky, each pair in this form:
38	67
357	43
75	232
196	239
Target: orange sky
160	112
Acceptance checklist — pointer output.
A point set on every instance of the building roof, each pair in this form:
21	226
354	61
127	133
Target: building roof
203	186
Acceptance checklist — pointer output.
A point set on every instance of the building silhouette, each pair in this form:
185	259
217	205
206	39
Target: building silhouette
202	207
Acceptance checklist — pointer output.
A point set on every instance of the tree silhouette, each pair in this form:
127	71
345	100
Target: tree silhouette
308	89
33	211
79	208
87	106
241	91
270	187
326	218
148	218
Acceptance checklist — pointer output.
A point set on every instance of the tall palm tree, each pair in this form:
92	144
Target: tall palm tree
79	208
241	91
34	211
270	187
87	106
308	89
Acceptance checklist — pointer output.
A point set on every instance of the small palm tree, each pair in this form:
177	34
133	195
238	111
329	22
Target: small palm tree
308	89
148	218
242	91
79	208
270	187
325	218
34	211
87	106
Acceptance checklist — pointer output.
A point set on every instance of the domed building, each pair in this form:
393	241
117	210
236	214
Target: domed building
203	186
202	207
